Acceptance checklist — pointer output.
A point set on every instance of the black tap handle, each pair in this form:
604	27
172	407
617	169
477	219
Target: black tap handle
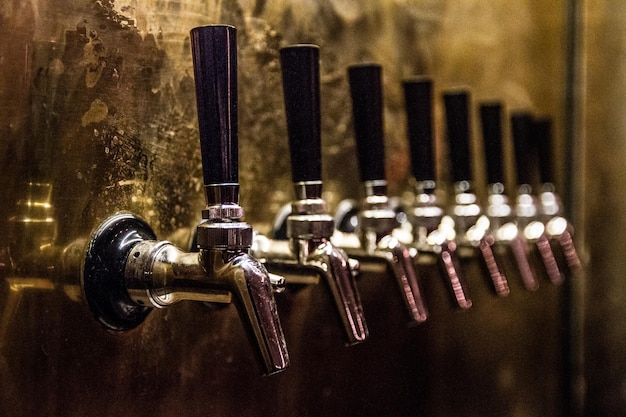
542	129
491	121
301	89
214	51
521	125
367	110
457	132
418	99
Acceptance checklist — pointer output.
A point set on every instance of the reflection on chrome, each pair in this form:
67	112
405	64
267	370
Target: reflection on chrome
557	226
505	231
31	259
376	219
434	232
534	231
474	230
308	254
373	243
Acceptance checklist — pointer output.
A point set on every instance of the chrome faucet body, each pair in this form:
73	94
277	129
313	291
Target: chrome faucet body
558	227
473	231
471	225
309	254
506	233
127	272
433	234
534	231
501	215
377	245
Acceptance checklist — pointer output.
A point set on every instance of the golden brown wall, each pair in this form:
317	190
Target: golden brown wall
97	100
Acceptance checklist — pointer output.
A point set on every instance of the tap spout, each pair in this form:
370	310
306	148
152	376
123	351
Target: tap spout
248	280
159	274
380	250
335	267
127	273
400	260
306	261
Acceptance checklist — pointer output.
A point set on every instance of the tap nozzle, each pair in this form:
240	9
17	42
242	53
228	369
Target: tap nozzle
309	229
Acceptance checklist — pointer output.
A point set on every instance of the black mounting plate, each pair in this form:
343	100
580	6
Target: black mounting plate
103	277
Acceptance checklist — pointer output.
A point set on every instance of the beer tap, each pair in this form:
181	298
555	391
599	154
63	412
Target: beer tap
500	213
471	225
128	272
309	226
558	227
526	208
376	218
433	231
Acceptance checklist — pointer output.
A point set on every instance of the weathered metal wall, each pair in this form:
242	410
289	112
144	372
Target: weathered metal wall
97	114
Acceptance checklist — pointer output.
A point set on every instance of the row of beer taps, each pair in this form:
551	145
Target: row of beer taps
127	272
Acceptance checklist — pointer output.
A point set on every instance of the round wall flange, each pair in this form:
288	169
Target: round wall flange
103	278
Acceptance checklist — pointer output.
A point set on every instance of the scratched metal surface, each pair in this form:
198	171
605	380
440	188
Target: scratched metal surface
97	103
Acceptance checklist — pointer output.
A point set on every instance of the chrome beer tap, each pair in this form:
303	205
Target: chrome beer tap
501	214
433	231
470	223
308	247
128	272
376	218
558	227
527	210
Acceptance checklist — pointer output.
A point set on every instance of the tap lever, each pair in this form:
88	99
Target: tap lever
301	89
491	122
215	70
367	110
457	132
542	132
418	103
521	123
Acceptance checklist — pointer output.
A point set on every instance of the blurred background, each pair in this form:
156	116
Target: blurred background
98	115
